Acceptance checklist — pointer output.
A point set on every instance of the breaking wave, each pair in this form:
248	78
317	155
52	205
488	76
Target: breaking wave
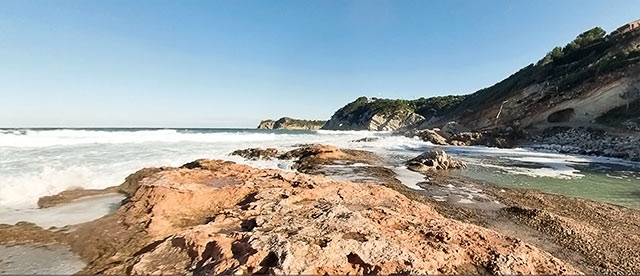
40	162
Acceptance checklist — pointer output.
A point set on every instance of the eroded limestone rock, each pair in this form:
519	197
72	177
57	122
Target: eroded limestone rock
220	217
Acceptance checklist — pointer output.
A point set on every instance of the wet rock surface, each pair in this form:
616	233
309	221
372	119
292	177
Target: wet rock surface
257	153
26	233
71	195
219	217
608	236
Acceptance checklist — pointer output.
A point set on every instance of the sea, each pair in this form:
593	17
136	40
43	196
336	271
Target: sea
40	162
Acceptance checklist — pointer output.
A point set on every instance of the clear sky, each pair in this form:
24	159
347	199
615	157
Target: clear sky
232	63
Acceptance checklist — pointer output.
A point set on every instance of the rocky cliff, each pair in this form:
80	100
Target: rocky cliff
594	81
290	123
386	114
575	85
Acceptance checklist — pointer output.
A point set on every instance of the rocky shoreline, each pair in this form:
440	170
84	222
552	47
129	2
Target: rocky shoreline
588	141
213	216
567	140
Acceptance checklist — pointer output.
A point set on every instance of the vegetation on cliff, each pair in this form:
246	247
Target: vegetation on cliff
291	123
592	53
363	110
584	65
424	106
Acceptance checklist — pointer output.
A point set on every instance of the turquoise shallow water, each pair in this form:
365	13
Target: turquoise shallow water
606	180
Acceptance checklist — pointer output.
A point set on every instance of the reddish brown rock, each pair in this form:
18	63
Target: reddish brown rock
220	217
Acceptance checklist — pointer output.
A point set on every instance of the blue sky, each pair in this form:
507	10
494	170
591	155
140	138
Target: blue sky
232	63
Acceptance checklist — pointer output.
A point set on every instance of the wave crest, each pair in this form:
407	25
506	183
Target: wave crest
60	137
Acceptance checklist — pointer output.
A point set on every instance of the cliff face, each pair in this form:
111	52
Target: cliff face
266	124
290	123
573	86
386	114
594	81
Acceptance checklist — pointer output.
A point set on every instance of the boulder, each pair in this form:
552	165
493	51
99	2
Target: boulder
452	129
432	137
434	160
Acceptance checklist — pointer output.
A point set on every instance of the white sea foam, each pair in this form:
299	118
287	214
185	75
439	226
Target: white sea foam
47	138
540	164
35	163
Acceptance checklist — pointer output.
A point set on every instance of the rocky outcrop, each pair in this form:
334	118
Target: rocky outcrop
310	158
455	134
290	123
221	218
257	153
266	124
374	114
434	160
310	155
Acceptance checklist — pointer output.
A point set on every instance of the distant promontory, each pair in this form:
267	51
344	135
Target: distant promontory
290	123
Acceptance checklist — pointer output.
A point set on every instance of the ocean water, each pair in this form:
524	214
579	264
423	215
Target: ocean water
39	162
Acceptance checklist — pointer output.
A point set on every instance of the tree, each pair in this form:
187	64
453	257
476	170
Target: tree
585	39
554	54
